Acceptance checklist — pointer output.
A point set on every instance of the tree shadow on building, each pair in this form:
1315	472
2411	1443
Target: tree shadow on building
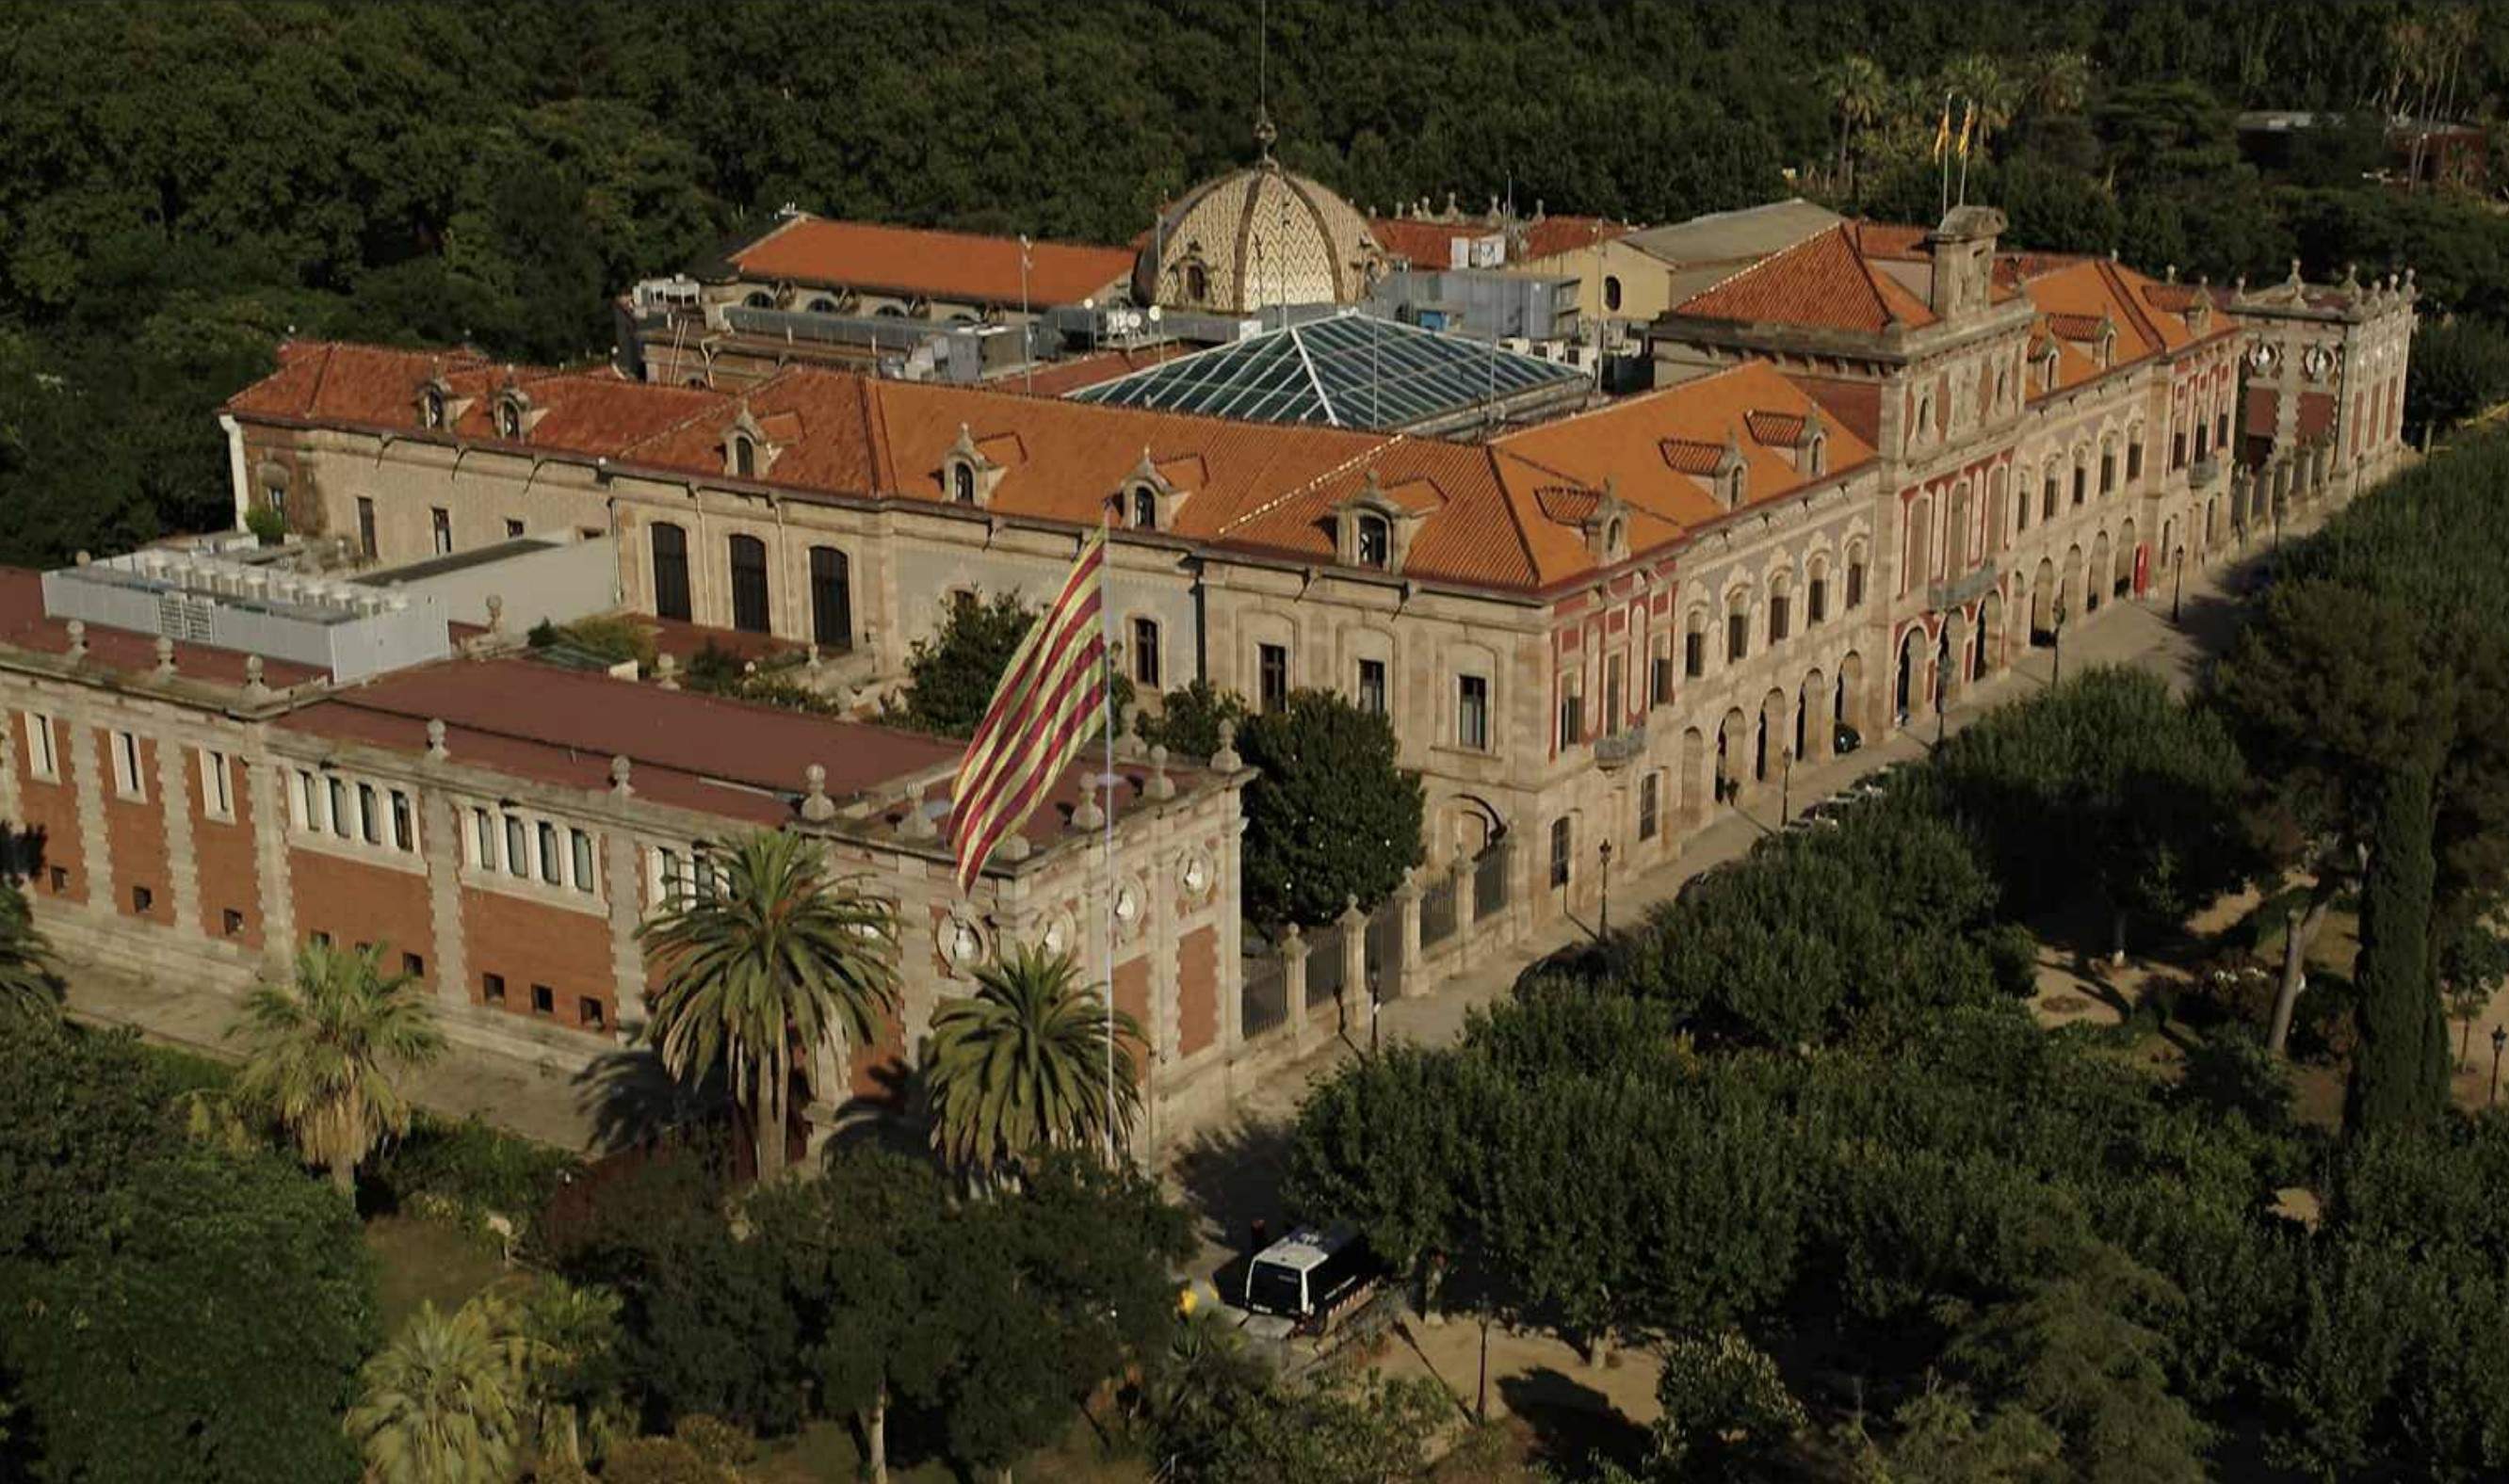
632	1099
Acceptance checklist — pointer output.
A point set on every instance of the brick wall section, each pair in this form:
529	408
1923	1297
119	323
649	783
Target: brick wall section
1197	990
137	829
356	902
230	868
49	812
532	944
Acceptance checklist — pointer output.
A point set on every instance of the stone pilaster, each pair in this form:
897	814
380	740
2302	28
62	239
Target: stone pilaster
439	834
1408	897
87	776
271	818
1294	984
13	732
623	880
176	766
1232	939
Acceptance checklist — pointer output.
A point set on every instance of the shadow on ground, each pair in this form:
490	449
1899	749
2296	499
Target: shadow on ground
1574	1425
1232	1176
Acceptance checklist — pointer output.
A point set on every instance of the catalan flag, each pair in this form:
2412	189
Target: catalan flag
1943	129
1968	120
1049	703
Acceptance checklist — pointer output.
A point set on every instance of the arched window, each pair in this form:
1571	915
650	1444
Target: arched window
891	311
1735	489
1612	293
823	304
744	457
1816	594
760	298
1614	532
1856	575
1145	507
1780	609
509	418
1816	461
962	483
670	571
1375	541
1197	282
1738	627
432	413
1694	645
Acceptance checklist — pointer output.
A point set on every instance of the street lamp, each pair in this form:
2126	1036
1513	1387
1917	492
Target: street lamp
1375	1002
2499	1039
1605	928
1942	679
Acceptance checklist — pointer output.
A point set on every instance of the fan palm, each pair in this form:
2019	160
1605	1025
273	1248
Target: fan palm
29	984
442	1402
1859	92
1021	1066
324	1046
774	955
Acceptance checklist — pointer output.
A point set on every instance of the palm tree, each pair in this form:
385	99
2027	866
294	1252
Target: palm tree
324	1048
1021	1066
1859	92
2059	84
774	955
29	985
1980	80
442	1402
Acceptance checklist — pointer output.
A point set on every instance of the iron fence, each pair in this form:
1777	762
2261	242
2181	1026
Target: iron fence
1437	912
1324	967
1384	950
1264	996
1489	880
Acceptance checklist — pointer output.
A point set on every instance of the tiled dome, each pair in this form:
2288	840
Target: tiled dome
1254	238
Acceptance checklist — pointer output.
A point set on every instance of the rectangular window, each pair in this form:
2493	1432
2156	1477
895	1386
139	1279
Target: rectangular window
366	527
484	840
666	875
1778	618
1145	652
404	827
1738	637
343	822
2201	446
749	606
126	766
233	921
518	848
1272	676
1472	712
492	988
1647	806
831	601
1856	584
1372	686
321	939
2178	448
41	761
582	852
2108	471
308	799
59	876
2134	461
544	1000
670	571
2048	499
413	965
441	520
1615	678
1694	654
218	786
1559	846
369	815
142	900
2221	429
513	530
1660	690
588	1012
552	864
1572	718
2081	483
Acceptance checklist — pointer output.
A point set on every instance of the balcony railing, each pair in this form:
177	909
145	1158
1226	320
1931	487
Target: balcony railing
1619	748
1961	590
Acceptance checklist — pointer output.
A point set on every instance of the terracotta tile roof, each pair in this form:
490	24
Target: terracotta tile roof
933	265
1853	405
1776	430
2072	300
1821	282
731	758
1428	243
1065	376
1890	240
123	652
1658	449
2076	326
1567	503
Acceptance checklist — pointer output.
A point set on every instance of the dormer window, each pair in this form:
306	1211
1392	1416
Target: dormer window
1145	509
1616	534
1733	485
962	483
509	418
1375	539
430	408
744	455
1816	456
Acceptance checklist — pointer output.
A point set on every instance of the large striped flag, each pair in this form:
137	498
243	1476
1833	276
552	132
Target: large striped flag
1050	701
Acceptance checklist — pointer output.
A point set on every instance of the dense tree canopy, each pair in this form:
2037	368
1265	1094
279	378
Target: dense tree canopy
443	170
1330	818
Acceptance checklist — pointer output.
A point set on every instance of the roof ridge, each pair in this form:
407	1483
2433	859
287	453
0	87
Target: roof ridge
1314	482
2149	329
322	374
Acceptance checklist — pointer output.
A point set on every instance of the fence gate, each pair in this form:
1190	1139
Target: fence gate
1489	880
1263	995
1385	949
1438	910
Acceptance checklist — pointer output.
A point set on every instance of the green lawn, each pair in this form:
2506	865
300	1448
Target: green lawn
420	1260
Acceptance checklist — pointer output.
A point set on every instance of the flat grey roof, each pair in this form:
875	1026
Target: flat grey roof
1753	232
459	561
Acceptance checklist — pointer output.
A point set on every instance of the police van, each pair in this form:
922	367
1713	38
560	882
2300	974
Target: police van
1315	1279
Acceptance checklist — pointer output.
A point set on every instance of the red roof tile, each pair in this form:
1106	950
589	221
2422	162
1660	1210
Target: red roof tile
1821	282
932	265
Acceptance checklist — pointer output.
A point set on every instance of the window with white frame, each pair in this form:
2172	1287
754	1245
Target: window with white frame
356	811
526	847
673	872
127	779
217	785
42	761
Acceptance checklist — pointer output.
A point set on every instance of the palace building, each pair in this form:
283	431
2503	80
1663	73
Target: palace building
1876	463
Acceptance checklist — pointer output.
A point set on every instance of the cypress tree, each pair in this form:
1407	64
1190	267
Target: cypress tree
2400	1069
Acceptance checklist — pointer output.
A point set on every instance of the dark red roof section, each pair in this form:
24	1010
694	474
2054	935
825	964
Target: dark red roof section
24	626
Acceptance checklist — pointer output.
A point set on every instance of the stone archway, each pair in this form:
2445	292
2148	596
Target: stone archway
1769	734
2069	587
1697	778
1910	692
1991	649
1951	656
1732	741
2043	598
2096	591
1847	707
2125	582
1470	823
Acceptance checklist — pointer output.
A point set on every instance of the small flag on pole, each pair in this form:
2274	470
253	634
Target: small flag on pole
1048	704
1968	120
1943	129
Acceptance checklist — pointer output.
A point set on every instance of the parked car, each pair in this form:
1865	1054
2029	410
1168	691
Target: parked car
1313	1277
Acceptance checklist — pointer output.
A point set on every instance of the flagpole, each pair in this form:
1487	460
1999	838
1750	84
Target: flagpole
1106	637
1942	152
